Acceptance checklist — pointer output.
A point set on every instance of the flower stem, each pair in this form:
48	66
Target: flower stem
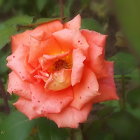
61	3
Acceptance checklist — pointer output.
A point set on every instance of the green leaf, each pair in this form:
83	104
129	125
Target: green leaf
23	19
16	127
134	111
135	76
124	126
49	131
129	17
112	104
2	115
96	132
124	63
5	34
3	67
8	28
91	24
133	97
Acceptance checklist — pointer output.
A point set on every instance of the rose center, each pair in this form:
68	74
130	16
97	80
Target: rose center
59	64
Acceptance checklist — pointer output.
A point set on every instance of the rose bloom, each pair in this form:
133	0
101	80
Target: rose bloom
59	72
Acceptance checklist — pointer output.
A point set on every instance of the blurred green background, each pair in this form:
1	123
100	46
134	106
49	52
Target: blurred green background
112	120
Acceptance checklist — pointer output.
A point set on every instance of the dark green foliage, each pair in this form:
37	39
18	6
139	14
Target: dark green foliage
120	20
47	130
15	126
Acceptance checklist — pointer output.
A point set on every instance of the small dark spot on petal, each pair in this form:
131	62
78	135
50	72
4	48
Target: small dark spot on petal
13	56
80	97
61	102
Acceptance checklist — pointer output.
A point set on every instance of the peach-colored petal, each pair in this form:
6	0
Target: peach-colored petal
49	101
47	61
16	62
93	36
26	107
78	65
70	117
18	86
107	87
59	80
40	33
96	43
64	38
69	39
75	23
20	39
86	90
39	48
45	30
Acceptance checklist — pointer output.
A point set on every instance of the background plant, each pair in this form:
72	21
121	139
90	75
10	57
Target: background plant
112	120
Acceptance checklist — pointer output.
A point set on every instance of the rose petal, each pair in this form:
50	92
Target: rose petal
17	86
69	39
26	107
78	65
16	62
107	87
96	60
59	80
20	39
38	48
45	30
75	23
70	117
42	32
49	101
93	36
47	61
86	90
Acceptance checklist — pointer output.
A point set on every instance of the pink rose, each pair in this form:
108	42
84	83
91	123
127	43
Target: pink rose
59	72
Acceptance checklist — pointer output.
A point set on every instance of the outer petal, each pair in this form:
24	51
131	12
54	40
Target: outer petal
40	33
86	90
16	62
107	87
20	39
69	39
49	101
70	117
17	86
26	107
96	60
93	36
45	30
75	23
78	65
